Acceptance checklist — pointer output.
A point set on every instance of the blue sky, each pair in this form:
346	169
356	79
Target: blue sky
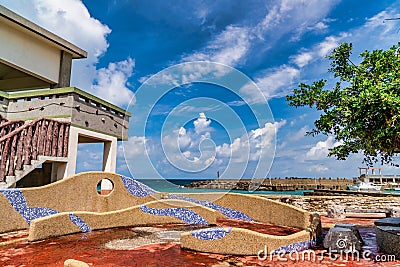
275	43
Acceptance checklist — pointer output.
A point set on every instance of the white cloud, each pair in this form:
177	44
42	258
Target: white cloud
71	20
294	16
251	146
273	83
303	59
379	21
320	26
318	168
111	82
89	157
324	48
301	133
134	146
235	43
229	47
321	149
202	125
278	82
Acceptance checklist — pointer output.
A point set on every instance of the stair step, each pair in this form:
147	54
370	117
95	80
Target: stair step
28	167
35	162
11	179
18	173
4	185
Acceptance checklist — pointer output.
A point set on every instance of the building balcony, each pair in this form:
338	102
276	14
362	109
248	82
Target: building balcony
71	104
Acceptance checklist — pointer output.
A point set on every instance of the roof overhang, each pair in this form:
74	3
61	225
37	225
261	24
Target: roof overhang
31	56
30	28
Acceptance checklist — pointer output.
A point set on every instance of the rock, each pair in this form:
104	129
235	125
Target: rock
394	222
336	211
75	263
353	228
388	239
339	240
394	212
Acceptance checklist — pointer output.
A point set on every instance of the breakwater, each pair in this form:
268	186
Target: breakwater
274	184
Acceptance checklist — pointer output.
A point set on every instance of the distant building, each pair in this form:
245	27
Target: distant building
43	119
374	175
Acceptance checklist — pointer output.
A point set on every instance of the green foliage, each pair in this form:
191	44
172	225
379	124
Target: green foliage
362	110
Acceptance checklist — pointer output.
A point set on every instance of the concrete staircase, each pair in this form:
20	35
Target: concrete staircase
24	147
10	181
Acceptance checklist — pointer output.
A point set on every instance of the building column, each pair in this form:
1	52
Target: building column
64	75
72	152
110	155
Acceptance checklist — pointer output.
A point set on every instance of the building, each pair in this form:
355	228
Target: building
374	175
43	119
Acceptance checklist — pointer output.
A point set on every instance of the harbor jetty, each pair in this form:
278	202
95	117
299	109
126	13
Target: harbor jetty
275	184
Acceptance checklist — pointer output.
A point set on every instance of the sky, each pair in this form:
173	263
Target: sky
206	80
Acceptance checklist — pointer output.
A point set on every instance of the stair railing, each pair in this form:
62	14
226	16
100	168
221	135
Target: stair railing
7	127
41	137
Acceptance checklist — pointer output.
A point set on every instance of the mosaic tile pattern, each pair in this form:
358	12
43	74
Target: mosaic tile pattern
229	213
299	246
79	222
18	202
211	233
186	215
136	188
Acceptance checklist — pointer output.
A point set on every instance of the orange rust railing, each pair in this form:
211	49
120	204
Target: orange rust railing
41	137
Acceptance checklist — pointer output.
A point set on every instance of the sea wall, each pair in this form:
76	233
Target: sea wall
275	184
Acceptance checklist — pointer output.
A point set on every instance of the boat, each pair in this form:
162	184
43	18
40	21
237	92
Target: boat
364	186
392	187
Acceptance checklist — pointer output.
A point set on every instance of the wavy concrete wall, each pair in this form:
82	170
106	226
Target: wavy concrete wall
73	205
77	193
154	212
252	208
238	241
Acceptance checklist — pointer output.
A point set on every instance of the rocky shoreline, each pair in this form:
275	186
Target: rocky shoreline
355	204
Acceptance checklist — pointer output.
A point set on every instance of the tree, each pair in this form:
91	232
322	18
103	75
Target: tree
362	110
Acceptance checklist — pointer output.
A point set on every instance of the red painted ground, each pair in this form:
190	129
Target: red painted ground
90	248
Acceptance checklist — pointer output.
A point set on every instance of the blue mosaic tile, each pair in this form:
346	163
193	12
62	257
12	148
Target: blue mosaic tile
79	222
18	202
136	188
299	246
211	233
186	215
229	213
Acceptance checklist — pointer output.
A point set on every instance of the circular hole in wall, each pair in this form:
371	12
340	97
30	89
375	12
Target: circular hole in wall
104	187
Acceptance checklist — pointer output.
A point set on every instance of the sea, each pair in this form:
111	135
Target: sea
177	185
